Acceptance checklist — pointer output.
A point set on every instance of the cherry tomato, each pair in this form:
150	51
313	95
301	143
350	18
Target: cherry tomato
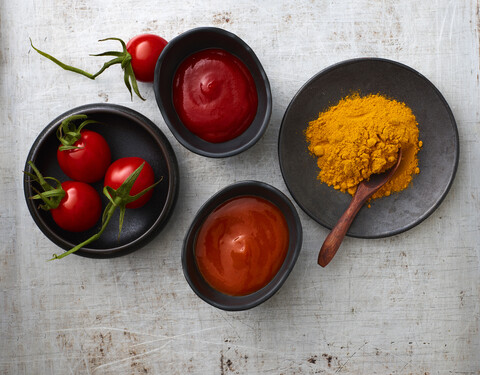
145	50
79	209
89	162
122	168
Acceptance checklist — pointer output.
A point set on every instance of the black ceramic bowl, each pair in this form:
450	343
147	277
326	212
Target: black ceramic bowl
193	275
128	133
185	45
438	157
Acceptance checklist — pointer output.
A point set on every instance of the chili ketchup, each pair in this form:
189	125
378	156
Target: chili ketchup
215	95
241	245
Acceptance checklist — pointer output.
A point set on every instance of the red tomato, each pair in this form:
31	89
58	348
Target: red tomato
145	50
120	169
89	162
79	209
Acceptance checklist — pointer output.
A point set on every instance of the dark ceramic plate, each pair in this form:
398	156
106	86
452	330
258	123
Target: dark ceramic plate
128	133
192	274
185	45
438	157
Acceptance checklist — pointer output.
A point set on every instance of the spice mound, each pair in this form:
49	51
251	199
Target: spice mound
361	136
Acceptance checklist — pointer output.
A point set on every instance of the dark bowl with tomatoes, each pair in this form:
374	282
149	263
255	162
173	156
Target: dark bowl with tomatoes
130	136
179	50
190	263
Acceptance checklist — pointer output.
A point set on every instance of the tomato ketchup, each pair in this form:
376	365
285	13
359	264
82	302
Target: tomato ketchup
215	95
241	245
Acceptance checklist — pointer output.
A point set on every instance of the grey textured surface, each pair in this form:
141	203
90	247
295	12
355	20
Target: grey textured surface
407	304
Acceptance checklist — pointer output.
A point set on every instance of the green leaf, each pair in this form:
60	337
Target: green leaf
124	190
109	53
131	75
68	133
51	196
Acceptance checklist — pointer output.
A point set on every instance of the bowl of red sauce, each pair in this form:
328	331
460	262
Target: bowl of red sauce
242	245
213	92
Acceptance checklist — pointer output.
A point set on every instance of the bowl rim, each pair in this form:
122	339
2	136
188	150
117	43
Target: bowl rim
172	191
156	84
230	192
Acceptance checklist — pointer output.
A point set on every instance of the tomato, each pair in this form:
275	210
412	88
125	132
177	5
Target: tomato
122	168
145	50
89	162
79	209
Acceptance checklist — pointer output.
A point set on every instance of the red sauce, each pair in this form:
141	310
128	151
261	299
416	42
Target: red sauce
241	245
214	95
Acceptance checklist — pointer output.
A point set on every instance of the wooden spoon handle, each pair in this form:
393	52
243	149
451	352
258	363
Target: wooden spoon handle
335	237
364	191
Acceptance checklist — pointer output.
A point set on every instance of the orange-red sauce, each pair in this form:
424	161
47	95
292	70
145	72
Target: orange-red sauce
242	245
215	95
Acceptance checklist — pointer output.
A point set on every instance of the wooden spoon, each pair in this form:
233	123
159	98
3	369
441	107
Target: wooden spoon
364	191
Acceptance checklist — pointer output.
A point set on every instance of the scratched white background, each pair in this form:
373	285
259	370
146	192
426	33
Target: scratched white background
408	304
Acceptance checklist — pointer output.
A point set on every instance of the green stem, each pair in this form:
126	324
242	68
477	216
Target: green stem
95	237
62	65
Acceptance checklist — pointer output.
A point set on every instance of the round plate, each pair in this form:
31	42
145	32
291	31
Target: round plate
128	133
438	158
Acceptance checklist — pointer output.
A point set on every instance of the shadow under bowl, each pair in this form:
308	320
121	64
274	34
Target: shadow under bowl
191	271
193	41
128	133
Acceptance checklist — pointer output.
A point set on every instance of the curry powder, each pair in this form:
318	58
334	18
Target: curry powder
361	136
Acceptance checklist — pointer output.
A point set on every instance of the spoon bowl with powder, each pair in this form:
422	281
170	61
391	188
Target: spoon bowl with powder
364	191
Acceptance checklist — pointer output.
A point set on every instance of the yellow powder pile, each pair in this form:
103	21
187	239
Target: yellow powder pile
362	135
